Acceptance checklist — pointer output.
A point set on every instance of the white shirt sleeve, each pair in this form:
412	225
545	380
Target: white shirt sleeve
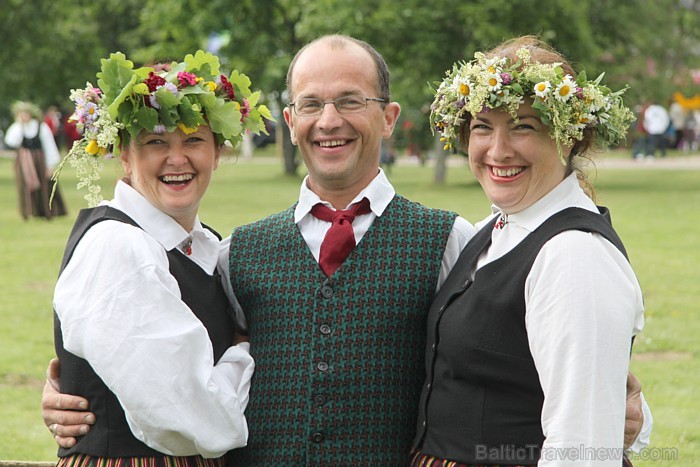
583	304
123	313
644	436
462	231
14	135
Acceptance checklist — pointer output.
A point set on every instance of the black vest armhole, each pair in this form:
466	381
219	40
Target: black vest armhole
86	219
585	221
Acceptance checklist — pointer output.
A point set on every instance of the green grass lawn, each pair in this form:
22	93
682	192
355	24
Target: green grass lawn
655	212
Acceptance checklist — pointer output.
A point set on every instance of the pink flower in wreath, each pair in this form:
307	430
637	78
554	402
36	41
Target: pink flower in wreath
186	78
245	109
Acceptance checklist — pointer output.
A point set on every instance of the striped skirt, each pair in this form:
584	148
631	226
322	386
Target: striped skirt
424	460
85	460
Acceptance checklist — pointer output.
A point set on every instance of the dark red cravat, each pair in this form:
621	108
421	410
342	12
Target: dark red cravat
340	238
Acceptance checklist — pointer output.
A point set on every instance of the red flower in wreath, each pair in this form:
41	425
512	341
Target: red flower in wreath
228	87
153	81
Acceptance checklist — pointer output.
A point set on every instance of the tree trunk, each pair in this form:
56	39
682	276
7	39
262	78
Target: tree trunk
289	151
440	163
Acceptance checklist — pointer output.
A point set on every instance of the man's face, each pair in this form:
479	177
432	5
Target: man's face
341	151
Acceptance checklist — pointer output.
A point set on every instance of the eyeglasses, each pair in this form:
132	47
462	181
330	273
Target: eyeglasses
344	105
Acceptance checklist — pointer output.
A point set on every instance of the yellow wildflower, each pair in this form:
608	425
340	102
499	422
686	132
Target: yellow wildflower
92	147
185	129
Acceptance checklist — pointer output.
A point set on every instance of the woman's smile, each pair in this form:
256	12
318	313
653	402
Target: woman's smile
506	173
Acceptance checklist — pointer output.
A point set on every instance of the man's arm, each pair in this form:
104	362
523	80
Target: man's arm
637	426
65	416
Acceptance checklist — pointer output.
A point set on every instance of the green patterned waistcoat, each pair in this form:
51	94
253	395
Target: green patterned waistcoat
339	361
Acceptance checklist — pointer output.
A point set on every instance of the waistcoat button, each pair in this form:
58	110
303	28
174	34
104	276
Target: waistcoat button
322	366
327	291
317	437
319	399
325	329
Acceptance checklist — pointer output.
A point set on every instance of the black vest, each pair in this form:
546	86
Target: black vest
32	143
482	392
110	436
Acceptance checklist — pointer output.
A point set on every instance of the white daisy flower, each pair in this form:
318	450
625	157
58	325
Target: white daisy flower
565	89
542	88
493	82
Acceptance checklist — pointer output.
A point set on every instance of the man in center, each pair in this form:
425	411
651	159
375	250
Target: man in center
339	343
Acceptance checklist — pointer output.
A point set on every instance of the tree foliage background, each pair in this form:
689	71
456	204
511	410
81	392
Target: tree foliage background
48	47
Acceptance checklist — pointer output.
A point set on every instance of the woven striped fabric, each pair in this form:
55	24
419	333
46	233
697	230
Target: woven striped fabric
424	460
84	460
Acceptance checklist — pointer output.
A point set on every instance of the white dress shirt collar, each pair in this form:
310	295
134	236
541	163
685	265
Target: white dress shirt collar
164	229
379	192
567	194
519	225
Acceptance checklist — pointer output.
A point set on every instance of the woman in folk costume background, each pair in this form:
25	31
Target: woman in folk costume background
37	156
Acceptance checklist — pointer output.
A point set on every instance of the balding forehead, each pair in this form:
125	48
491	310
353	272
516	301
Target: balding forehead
325	43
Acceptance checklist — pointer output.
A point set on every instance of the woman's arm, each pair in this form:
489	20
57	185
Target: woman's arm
583	305
123	313
14	135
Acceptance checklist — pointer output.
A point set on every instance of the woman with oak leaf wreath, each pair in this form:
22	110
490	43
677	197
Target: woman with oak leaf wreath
144	327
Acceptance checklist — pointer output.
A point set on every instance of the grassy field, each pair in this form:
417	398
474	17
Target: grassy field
655	212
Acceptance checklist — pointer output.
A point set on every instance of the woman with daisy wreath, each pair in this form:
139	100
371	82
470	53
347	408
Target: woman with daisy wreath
529	338
145	329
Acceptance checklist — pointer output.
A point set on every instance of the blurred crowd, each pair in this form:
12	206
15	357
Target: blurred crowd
659	128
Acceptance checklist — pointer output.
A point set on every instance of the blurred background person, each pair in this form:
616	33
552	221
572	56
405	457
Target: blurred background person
677	115
71	131
689	140
52	118
656	123
37	157
639	145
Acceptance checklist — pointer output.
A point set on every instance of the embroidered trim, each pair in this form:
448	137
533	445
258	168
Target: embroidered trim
186	246
85	460
501	222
